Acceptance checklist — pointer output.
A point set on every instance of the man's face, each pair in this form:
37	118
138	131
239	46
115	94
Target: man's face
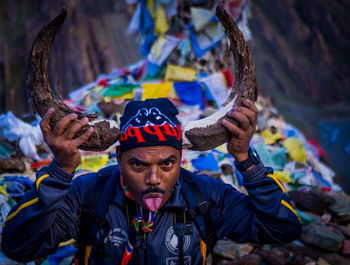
150	173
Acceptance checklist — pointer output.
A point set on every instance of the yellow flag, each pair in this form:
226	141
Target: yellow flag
93	162
160	90
283	176
180	74
150	7
172	93
187	166
269	137
161	24
295	149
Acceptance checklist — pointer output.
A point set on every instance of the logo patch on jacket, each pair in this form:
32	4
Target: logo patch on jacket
172	241
117	237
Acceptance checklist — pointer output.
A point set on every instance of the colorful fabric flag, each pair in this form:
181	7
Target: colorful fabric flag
215	83
295	149
178	73
190	93
161	49
206	162
153	90
116	90
161	24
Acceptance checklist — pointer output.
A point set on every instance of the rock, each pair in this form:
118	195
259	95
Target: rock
282	251
209	260
326	218
244	249
310	251
309	261
341	205
272	258
322	237
345	219
346	247
229	250
322	261
313	201
335	259
293	254
335	229
251	259
226	249
345	230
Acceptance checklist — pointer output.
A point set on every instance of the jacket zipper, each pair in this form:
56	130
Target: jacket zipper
144	249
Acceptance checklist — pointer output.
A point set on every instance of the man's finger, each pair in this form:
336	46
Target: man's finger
84	137
240	117
248	113
74	128
234	129
63	123
45	121
249	104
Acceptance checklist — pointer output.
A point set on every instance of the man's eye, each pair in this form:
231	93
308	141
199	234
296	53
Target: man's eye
168	163
137	164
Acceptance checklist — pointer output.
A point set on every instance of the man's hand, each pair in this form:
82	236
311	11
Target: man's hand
61	139
246	117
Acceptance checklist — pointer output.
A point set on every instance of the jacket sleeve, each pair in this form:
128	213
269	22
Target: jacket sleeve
45	216
263	216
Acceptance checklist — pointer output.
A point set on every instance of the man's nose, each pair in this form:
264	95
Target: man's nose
153	176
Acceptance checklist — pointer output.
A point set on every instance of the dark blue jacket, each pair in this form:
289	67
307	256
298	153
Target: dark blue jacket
49	214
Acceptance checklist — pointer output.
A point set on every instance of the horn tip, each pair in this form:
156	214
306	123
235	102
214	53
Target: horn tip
219	7
64	11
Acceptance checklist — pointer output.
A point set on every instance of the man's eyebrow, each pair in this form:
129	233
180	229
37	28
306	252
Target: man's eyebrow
171	157
134	159
167	159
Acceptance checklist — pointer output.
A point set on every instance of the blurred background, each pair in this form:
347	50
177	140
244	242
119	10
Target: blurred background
108	52
300	50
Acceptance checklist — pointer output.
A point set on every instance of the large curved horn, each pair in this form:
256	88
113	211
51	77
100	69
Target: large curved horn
208	133
106	132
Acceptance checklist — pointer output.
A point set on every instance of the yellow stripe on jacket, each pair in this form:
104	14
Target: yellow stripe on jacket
24	205
40	180
290	208
277	181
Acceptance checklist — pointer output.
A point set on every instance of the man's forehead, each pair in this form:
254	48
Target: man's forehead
152	153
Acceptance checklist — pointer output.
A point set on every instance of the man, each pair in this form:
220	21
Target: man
150	197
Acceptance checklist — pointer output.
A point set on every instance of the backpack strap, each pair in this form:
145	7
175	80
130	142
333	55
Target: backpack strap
201	207
181	228
94	209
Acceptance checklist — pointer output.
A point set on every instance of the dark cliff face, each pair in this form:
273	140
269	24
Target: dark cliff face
91	41
301	52
300	49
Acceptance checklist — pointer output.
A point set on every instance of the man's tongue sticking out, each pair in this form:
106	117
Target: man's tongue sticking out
152	202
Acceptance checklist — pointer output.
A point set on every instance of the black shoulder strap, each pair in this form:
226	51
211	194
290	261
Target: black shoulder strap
201	207
95	208
181	228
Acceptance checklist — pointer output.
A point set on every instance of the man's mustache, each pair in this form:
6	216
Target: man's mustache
153	190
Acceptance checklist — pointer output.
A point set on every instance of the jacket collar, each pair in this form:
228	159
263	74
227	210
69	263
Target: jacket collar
175	201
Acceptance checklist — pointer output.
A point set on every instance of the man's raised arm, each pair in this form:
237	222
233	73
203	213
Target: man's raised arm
48	213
